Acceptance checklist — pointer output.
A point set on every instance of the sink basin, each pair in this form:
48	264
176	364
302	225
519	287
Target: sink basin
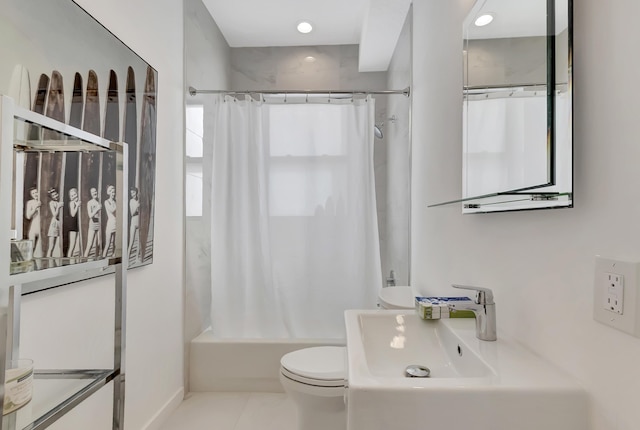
473	383
392	342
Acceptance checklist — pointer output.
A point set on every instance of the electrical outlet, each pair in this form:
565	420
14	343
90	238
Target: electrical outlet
613	292
616	299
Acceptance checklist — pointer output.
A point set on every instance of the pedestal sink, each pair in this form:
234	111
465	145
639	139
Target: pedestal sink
473	384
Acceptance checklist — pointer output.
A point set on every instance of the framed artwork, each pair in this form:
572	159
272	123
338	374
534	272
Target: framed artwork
60	62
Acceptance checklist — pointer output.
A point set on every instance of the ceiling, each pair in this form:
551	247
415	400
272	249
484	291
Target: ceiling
373	24
522	18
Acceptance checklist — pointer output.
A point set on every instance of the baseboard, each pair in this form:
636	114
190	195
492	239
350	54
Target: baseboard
163	414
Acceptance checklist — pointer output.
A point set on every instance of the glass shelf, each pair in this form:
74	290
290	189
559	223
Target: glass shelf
38	280
35	132
55	392
510	201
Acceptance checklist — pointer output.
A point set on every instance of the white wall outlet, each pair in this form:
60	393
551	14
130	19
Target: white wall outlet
615	294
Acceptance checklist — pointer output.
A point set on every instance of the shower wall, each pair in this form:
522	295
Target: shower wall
206	66
398	135
332	67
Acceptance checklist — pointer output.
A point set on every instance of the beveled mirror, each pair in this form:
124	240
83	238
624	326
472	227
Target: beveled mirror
517	128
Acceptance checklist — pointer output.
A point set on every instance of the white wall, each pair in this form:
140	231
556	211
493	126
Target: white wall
540	264
154	355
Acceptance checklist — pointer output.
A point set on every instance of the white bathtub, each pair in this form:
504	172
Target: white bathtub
241	365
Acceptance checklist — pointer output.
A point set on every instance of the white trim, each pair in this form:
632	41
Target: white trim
156	422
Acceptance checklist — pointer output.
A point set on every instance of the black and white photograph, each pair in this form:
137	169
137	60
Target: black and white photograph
111	94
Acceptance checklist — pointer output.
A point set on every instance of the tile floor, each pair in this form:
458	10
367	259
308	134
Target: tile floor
233	411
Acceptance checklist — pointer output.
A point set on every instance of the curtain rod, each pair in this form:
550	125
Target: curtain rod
406	92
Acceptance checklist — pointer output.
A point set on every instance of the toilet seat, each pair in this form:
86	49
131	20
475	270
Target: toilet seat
322	366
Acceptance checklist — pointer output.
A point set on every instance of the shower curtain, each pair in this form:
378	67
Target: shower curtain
294	224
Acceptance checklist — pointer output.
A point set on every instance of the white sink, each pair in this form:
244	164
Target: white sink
473	384
392	342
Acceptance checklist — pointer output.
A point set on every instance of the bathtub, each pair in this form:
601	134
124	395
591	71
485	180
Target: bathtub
241	364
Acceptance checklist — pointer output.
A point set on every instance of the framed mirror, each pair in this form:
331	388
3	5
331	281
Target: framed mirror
517	127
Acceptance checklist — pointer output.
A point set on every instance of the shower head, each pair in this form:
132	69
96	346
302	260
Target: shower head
377	131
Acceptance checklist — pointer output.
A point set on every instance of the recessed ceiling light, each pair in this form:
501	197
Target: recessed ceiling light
484	19
305	27
309	59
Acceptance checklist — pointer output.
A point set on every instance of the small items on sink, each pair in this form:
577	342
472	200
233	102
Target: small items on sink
433	308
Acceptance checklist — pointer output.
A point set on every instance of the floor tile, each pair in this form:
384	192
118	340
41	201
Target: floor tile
214	411
268	411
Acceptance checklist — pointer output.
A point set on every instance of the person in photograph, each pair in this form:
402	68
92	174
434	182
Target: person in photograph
32	213
110	229
73	224
134	207
55	207
93	212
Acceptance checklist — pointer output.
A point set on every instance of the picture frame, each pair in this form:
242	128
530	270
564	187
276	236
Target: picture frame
84	76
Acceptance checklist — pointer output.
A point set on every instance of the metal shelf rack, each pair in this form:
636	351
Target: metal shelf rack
55	391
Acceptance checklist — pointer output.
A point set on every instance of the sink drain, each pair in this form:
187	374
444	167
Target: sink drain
417	371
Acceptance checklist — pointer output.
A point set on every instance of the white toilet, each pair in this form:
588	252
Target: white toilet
315	378
396	298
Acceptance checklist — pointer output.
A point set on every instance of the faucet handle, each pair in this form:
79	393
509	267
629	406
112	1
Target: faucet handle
484	296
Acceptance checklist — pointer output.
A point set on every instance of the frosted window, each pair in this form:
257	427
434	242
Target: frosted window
194	127
308	155
306	130
194	149
193	192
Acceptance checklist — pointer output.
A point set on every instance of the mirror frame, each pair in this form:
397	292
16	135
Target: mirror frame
559	168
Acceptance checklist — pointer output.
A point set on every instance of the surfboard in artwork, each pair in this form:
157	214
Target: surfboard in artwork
147	166
77	102
41	94
32	219
112	110
130	136
55	98
52	200
72	210
39	103
91	118
110	203
55	104
20	87
91	204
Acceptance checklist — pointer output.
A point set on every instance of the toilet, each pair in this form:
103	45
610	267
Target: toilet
315	379
396	298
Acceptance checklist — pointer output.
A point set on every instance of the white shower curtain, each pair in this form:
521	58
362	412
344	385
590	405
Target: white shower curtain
294	224
505	146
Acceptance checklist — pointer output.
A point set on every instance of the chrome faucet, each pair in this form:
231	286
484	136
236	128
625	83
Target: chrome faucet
484	309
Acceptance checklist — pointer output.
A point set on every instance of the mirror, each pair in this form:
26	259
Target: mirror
517	138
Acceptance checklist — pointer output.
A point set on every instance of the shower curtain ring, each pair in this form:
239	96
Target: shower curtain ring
285	97
307	99
329	101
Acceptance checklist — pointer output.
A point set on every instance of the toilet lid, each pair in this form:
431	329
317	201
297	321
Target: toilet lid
321	363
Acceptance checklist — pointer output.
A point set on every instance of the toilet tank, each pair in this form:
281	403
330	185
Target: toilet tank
400	297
